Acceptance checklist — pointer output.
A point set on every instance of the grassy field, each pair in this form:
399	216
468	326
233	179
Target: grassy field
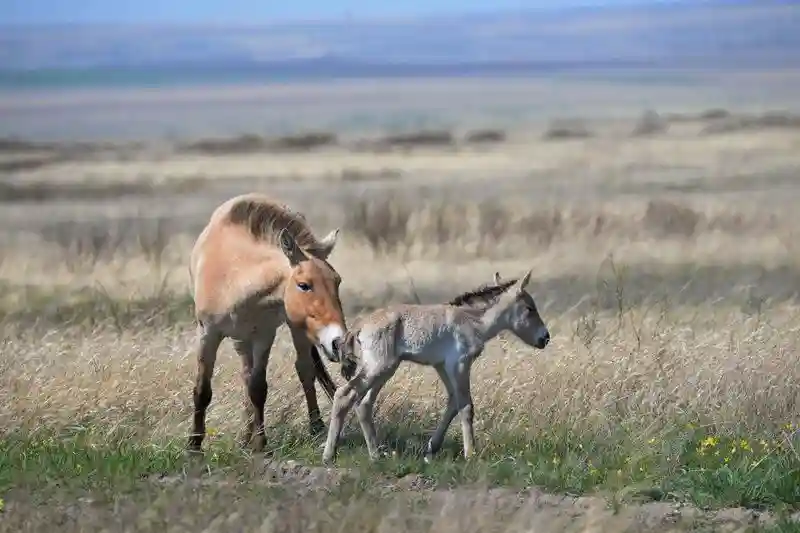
665	262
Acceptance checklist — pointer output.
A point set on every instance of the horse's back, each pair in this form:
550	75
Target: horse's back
228	264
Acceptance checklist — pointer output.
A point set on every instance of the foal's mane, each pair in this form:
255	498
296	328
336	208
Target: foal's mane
483	295
265	219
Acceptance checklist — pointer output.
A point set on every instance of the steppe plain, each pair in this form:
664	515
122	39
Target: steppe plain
665	250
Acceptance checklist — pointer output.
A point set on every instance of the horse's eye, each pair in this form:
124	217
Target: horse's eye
305	287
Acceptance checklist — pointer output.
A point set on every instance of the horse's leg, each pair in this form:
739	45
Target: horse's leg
205	349
257	384
307	373
245	350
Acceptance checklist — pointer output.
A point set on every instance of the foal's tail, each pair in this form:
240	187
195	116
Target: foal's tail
322	374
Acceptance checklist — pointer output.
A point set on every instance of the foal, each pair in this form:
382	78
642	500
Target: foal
448	337
257	265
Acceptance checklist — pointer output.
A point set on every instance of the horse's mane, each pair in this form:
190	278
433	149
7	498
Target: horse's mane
483	295
265	219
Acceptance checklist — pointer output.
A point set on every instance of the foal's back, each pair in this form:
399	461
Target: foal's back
424	334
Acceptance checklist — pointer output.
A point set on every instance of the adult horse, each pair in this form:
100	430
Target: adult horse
257	265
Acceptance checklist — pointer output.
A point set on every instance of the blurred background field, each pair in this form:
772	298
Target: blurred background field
654	203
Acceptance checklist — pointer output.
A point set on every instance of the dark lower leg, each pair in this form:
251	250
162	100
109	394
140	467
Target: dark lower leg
248	414
257	390
307	374
201	393
245	351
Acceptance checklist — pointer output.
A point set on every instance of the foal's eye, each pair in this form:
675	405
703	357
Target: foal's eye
305	287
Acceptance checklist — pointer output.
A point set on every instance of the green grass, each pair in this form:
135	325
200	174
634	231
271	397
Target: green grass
687	465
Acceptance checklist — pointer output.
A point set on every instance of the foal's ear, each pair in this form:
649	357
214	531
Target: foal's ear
496	278
521	284
289	247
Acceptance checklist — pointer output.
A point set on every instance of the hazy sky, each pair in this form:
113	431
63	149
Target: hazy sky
209	11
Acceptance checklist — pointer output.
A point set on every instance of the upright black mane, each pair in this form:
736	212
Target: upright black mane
483	295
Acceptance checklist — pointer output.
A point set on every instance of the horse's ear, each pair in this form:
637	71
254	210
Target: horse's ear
327	243
289	247
496	278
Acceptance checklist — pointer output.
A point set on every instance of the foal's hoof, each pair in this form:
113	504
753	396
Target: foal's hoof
382	452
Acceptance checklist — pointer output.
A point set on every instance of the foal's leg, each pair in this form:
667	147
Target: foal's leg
465	408
449	413
307	373
257	384
365	408
245	351
205	349
343	400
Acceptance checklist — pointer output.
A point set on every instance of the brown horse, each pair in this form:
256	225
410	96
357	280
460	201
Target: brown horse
255	266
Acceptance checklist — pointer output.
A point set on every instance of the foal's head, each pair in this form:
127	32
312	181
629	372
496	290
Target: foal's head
518	312
311	297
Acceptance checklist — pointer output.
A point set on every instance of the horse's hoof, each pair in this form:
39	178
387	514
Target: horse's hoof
259	444
194	445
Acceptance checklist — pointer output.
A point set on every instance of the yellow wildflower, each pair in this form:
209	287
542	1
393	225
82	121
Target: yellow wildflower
709	442
2	505
651	441
744	445
211	432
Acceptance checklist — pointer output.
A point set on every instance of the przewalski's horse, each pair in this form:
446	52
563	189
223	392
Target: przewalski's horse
255	266
448	337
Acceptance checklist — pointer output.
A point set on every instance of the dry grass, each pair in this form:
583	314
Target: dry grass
765	121
96	350
675	319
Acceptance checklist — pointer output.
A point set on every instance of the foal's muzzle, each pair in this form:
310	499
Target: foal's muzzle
543	339
336	350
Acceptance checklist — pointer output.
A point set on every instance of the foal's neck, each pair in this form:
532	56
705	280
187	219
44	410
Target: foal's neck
489	321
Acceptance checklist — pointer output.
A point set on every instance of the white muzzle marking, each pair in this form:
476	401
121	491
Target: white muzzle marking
326	336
